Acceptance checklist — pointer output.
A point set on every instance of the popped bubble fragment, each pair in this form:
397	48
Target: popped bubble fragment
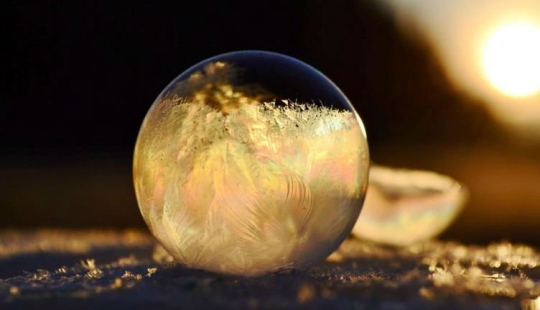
251	162
406	206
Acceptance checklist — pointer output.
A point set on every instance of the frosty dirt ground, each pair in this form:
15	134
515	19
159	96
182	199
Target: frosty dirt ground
62	269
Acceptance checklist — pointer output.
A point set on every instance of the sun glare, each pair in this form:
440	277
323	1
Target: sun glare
511	59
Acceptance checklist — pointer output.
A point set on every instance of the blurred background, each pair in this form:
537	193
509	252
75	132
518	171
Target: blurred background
449	86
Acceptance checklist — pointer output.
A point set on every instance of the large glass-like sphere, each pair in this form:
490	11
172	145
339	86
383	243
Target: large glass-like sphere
251	162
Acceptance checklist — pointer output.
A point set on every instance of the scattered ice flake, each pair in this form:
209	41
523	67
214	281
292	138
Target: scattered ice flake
41	274
94	274
89	264
66	269
62	269
499	269
432	275
151	271
129	275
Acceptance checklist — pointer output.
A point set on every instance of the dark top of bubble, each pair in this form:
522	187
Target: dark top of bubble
254	76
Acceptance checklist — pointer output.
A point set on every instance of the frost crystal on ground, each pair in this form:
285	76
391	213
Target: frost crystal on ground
433	275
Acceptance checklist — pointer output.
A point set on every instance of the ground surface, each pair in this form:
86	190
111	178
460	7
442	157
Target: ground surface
59	269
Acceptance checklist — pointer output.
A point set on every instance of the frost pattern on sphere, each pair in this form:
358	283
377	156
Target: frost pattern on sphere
231	181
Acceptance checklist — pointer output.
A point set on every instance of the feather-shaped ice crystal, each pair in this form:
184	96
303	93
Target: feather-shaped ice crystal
231	179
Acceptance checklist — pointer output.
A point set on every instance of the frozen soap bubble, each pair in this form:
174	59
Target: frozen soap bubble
406	206
251	162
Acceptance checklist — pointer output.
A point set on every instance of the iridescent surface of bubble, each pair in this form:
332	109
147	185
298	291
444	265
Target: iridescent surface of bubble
405	206
251	162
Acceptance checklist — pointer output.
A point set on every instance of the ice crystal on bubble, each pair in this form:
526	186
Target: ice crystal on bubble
249	163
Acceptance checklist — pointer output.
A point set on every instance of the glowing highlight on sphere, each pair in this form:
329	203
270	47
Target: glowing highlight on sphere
511	59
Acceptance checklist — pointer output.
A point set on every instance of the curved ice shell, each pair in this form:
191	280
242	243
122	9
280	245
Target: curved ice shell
404	206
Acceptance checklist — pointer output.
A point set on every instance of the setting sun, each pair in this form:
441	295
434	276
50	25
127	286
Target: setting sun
511	59
490	49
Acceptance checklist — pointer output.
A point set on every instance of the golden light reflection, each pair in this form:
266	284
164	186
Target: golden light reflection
511	59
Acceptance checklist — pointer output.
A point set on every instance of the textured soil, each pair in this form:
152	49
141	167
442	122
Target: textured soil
63	269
